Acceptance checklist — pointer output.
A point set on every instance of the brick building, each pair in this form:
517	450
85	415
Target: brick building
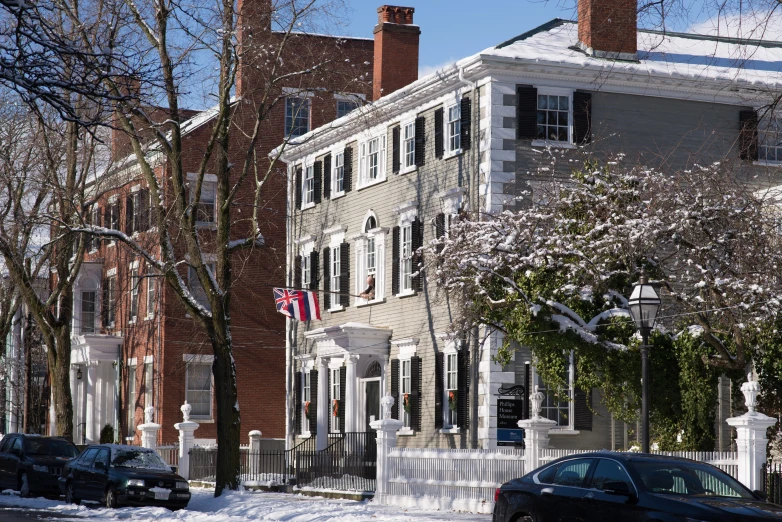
133	344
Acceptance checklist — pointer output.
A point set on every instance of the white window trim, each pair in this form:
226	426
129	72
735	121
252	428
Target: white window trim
407	213
362	243
201	359
558	91
570	428
304	189
407	349
762	127
134	290
347	96
297	94
192	177
402	168
307	364
305	250
151	282
447	152
336	238
451	348
333	181
363	165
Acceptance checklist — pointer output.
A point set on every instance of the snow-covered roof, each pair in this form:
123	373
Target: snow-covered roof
718	68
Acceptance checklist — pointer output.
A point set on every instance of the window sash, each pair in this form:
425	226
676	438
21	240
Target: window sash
345	106
406	258
372	159
339	172
371	258
150	293
409	144
199	389
404	387
335	394
559	410
134	283
454	128
770	142
148	384
451	372
554	118
206	208
195	286
111	290
309	185
335	269
297	116
131	400
87	312
305	271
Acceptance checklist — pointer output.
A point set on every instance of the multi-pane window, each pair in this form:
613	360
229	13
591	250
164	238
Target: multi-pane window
87	312
134	216
114	216
405	390
335	391
451	387
306	394
94	242
109	301
345	106
556	405
150	292
770	141
148	380
297	116
131	400
306	273
205	210
335	268
409	144
309	185
339	173
199	389
554	118
195	286
134	284
406	258
372	159
454	128
371	251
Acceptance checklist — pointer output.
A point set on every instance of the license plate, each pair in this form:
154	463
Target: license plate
161	495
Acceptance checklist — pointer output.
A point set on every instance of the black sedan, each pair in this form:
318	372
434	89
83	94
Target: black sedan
118	475
626	487
31	464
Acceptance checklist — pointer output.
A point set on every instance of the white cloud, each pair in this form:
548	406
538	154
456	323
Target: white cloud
426	70
755	25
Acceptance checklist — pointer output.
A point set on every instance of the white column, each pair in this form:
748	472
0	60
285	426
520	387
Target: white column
751	437
324	408
536	431
149	429
351	394
91	433
186	429
255	454
386	442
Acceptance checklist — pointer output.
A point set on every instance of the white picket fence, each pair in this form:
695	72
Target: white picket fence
462	480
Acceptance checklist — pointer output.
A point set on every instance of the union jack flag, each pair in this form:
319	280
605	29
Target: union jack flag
297	304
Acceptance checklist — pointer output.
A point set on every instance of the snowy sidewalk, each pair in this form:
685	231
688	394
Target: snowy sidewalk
241	506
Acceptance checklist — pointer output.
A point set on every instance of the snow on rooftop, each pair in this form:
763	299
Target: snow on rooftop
663	55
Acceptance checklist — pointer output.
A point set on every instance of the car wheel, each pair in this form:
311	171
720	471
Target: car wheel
111	497
24	485
523	519
70	498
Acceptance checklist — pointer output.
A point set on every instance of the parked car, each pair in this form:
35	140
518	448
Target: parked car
31	464
626	487
117	475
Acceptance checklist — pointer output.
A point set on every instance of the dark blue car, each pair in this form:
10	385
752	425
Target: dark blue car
31	464
629	487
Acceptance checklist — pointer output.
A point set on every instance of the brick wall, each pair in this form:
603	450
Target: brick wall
396	50
608	25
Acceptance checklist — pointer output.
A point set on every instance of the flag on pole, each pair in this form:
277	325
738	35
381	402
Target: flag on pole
297	304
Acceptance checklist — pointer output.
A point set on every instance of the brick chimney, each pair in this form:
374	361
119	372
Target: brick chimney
254	28
608	28
396	50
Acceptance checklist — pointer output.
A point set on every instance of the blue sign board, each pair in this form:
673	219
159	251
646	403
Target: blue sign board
510	437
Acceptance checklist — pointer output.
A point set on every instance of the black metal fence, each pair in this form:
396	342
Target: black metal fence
348	463
772	481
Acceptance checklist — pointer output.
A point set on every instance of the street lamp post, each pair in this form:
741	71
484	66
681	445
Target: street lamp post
644	304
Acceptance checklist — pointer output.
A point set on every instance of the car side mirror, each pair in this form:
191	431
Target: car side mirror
173	469
617	488
761	495
101	466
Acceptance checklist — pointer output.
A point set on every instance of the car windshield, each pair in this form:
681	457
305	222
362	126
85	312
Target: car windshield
50	448
137	459
689	478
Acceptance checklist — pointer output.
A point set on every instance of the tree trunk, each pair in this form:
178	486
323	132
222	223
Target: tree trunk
60	369
228	418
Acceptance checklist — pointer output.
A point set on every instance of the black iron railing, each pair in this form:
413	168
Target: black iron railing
772	481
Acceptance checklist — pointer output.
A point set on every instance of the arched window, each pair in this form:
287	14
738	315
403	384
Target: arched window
374	370
371	223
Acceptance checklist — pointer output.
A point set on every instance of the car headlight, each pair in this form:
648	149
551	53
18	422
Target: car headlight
42	469
182	485
138	483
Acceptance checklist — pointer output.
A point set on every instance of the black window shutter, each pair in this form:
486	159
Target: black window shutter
395	262
314	270
466	123
439	225
439	389
582	402
396	152
526	112
104	309
527	389
438	133
395	389
297	405
417	230
326	278
420	141
341	411
129	215
317	173
748	137
313	413
347	176
582	117
415	393
327	177
463	393
298	189
142	212
297	272
344	274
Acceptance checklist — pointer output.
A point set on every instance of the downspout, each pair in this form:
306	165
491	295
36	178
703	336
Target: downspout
117	405
288	326
474	204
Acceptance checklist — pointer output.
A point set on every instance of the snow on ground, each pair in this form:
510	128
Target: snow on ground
241	506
